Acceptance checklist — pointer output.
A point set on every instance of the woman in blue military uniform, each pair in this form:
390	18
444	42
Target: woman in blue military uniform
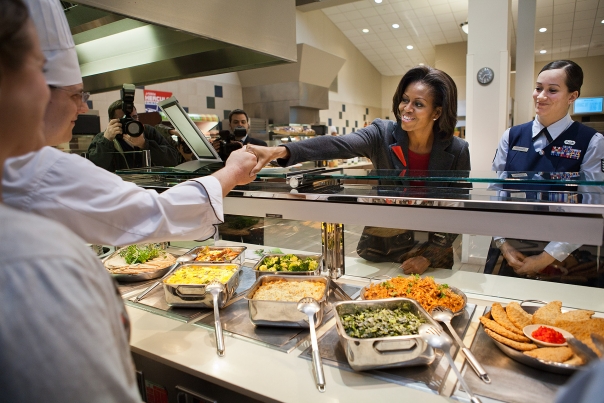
551	143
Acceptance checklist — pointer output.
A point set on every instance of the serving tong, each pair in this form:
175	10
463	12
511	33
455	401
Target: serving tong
444	315
437	339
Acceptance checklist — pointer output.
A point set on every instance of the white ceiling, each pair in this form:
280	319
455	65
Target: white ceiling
574	29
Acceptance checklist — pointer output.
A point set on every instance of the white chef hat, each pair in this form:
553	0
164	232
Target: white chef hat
62	68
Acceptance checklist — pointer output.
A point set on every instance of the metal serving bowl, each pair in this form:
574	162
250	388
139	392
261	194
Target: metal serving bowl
384	352
315	256
283	313
195	295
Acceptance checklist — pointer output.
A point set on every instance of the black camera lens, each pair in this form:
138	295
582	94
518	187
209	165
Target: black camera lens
131	127
240	131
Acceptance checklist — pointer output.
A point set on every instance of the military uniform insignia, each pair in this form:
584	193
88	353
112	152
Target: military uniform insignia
566	152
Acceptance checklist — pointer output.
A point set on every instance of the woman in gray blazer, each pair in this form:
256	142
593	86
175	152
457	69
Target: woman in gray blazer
421	139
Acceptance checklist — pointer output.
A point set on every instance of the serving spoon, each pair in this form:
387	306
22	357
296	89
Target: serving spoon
437	339
444	315
310	307
215	288
179	260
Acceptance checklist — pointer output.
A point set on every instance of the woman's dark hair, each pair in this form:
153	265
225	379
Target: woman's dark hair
14	39
443	90
574	73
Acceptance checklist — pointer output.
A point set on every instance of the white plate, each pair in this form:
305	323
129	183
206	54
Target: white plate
528	332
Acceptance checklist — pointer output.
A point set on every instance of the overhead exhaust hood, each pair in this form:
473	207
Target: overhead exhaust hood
152	41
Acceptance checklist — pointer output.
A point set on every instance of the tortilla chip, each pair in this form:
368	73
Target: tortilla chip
572	316
497	328
501	317
582	330
575	360
554	354
518	316
546	315
511	343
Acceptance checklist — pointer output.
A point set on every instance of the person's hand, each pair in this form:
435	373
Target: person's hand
266	155
514	258
113	129
236	170
216	145
415	265
532	265
135	141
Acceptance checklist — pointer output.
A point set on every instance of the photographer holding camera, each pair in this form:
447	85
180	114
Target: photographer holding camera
237	137
113	149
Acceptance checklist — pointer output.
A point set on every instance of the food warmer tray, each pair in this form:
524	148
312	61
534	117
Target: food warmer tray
454	289
284	313
315	256
384	352
239	259
195	295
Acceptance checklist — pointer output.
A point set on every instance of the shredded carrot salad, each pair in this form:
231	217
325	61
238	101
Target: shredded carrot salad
424	290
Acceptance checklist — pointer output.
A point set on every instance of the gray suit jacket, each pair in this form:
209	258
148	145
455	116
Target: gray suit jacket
375	142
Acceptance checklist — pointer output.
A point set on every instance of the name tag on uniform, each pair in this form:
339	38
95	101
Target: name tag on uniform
569	142
521	149
520	175
566	152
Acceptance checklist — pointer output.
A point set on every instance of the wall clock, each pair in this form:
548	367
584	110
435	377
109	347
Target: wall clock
485	76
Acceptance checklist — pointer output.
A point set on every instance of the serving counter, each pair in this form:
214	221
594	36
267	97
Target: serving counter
544	209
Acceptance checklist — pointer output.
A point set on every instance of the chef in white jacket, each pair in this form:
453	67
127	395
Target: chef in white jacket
97	205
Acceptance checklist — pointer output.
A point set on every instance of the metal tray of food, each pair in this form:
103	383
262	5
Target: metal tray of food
317	257
195	295
284	313
384	352
453	289
555	367
133	277
225	254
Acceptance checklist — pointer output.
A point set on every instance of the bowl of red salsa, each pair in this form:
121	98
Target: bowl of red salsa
547	336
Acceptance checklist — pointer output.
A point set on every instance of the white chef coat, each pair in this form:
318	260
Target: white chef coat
102	208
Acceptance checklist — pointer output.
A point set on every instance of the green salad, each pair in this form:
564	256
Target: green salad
381	322
140	254
288	263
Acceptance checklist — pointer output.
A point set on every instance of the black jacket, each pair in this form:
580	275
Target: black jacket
103	153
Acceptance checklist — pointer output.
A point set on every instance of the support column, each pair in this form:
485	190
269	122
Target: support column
487	105
524	111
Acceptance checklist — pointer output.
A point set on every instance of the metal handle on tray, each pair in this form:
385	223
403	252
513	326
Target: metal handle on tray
316	356
218	329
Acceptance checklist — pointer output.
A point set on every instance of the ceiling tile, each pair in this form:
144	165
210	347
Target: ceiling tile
338	18
354	34
353	15
428	20
458	6
562	34
430	29
578	53
374	21
563	2
363	5
453	36
346	7
597	38
599	51
442	18
417	4
346	26
565	26
586	5
385	9
436	3
586	32
331	11
450	26
564	8
562	18
360	24
585	15
442	9
368	12
545	3
545	11
423	12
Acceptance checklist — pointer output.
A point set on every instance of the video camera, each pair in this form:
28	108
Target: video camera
228	143
132	127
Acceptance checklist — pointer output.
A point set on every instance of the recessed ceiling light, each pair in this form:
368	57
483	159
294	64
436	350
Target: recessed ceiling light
602	21
395	25
421	64
365	30
543	51
542	29
409	47
378	1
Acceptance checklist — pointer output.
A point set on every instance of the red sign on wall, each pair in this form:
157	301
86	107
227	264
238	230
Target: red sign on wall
152	97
